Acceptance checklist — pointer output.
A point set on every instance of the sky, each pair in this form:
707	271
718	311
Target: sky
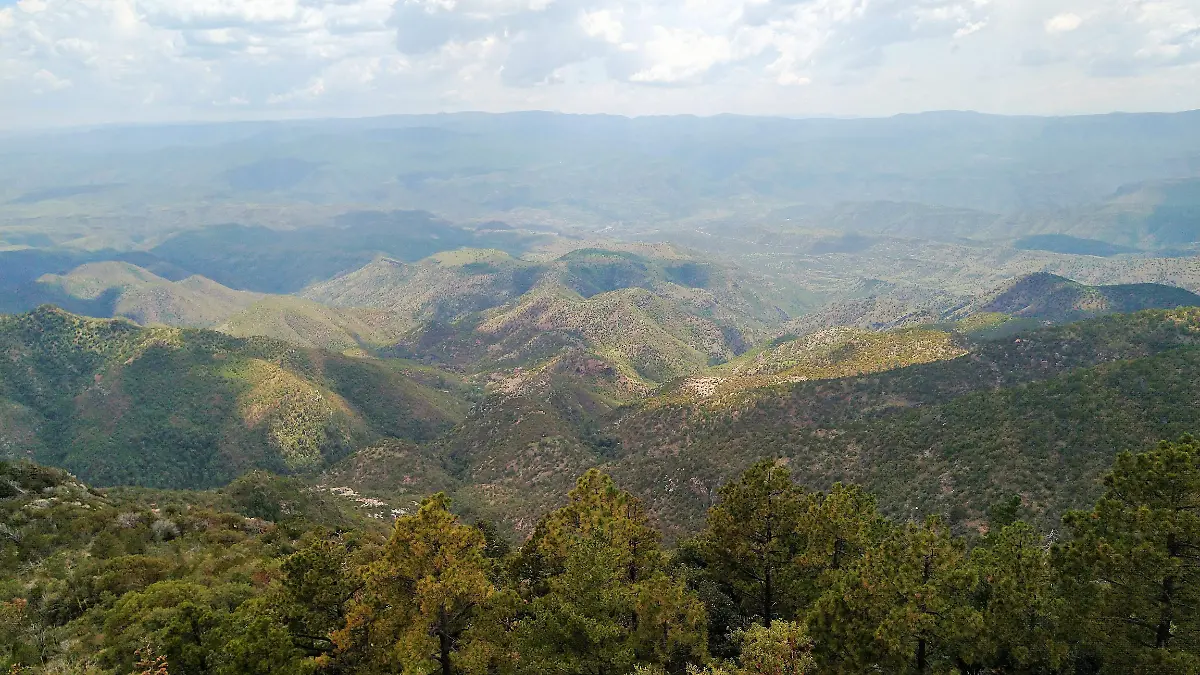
71	62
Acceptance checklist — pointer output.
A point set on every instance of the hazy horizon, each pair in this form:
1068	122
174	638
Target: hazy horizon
89	62
448	113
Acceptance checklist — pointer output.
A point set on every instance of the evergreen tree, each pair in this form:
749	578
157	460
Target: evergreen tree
902	608
1021	602
837	529
1134	561
420	596
596	512
752	538
254	642
784	648
319	583
603	598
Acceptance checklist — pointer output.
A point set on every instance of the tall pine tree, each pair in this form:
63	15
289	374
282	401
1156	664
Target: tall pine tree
752	538
420	596
602	594
1134	561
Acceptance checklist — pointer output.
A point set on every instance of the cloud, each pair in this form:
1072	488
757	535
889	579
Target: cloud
75	61
1063	23
602	24
48	81
678	55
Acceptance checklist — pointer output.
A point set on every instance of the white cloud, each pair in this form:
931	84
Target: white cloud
128	60
970	29
602	24
678	55
47	81
219	13
32	6
1063	23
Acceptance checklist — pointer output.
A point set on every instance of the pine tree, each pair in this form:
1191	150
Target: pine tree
603	598
420	596
902	608
837	529
319	583
1021	601
1134	561
784	648
752	538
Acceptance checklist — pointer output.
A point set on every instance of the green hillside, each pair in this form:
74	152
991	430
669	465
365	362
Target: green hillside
925	419
1029	300
1039	414
443	287
114	289
454	285
479	311
119	404
309	324
268	575
1055	299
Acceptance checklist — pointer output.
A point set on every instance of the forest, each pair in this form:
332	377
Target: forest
268	576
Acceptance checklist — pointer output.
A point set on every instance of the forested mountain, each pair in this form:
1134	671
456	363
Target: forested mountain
1051	298
1027	301
653	318
119	404
121	289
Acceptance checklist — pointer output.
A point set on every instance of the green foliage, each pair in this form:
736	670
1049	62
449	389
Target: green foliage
1132	561
1041	414
180	408
1024	609
904	605
419	597
783	648
603	596
753	537
592	591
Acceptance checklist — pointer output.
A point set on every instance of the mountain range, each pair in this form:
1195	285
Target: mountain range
502	395
949	308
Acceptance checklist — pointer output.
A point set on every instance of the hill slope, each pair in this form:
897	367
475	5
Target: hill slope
119	404
115	289
1051	298
1040	414
120	289
1028	300
653	318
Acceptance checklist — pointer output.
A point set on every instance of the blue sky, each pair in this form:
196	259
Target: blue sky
93	61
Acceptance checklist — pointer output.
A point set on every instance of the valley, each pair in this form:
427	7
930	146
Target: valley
643	395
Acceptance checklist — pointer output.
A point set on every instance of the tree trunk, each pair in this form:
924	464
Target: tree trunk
768	600
1162	635
444	643
921	655
768	591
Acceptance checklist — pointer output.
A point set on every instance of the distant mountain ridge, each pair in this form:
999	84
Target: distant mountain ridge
115	289
653	318
1049	297
1032	299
